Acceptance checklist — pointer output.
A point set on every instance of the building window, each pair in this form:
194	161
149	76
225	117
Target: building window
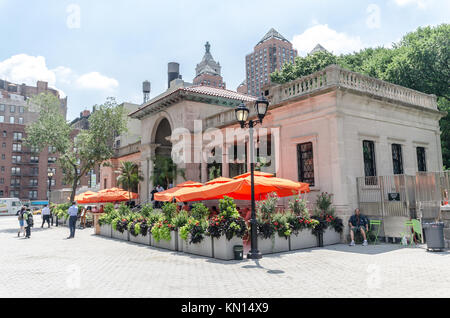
421	159
12	109
17	136
2	180
52	170
2	107
369	158
32	194
17	147
34	159
16	159
33	182
3	156
1	193
21	120
15	171
51	159
2	119
21	109
305	163
397	159
51	149
34	171
5	133
11	120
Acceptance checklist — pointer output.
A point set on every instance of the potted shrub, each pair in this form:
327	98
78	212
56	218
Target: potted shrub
178	222
273	229
227	230
330	227
106	219
301	225
120	228
165	234
194	239
139	231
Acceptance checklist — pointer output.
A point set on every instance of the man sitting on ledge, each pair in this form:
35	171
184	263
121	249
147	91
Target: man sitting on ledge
358	222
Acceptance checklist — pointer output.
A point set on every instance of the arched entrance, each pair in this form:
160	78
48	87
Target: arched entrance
164	170
162	139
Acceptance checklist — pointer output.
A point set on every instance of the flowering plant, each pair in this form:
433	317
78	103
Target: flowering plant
138	226
161	230
120	224
228	222
194	230
298	223
324	214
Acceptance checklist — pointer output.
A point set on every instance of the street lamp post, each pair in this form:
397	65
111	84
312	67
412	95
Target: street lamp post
50	177
242	113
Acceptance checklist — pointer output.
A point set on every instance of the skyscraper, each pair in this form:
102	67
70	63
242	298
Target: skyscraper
269	55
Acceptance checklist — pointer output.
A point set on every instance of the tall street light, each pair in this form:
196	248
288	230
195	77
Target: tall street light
50	177
242	112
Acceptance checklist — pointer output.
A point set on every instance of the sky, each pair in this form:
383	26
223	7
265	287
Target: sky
90	50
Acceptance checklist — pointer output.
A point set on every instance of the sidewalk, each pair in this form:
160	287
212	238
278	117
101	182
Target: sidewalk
48	265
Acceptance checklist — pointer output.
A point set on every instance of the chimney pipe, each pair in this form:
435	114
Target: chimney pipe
173	72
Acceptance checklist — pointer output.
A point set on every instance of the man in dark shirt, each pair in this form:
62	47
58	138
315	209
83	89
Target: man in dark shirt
358	222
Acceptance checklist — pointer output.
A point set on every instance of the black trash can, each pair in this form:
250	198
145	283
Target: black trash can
434	234
238	252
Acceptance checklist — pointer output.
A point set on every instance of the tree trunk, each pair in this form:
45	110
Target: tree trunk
74	189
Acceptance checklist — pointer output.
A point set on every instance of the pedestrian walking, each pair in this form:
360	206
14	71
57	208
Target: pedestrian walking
73	216
45	216
28	217
21	221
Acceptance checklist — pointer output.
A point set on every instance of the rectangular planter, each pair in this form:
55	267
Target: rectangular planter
273	245
167	245
304	239
204	248
120	236
223	249
106	230
330	237
140	239
180	243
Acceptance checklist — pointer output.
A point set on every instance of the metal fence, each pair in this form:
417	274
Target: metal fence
417	196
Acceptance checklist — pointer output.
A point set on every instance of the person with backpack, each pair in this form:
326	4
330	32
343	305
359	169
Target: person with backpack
21	221
28	216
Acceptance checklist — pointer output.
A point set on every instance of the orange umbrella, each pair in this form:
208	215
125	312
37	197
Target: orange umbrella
114	195
219	180
85	197
170	194
240	189
256	174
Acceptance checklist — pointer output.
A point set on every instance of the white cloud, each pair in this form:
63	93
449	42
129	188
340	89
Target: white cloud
422	4
333	41
26	69
95	80
23	68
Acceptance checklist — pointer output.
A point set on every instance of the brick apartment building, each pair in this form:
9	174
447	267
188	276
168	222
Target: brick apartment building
24	171
268	56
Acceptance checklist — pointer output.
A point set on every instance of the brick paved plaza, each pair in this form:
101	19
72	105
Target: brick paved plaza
47	265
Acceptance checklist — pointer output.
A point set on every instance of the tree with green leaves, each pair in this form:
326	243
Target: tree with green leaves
88	149
165	171
129	177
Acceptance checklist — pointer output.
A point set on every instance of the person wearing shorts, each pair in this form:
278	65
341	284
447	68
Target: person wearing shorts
21	222
358	223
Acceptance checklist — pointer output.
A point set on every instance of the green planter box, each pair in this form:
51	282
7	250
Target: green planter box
223	249
304	239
